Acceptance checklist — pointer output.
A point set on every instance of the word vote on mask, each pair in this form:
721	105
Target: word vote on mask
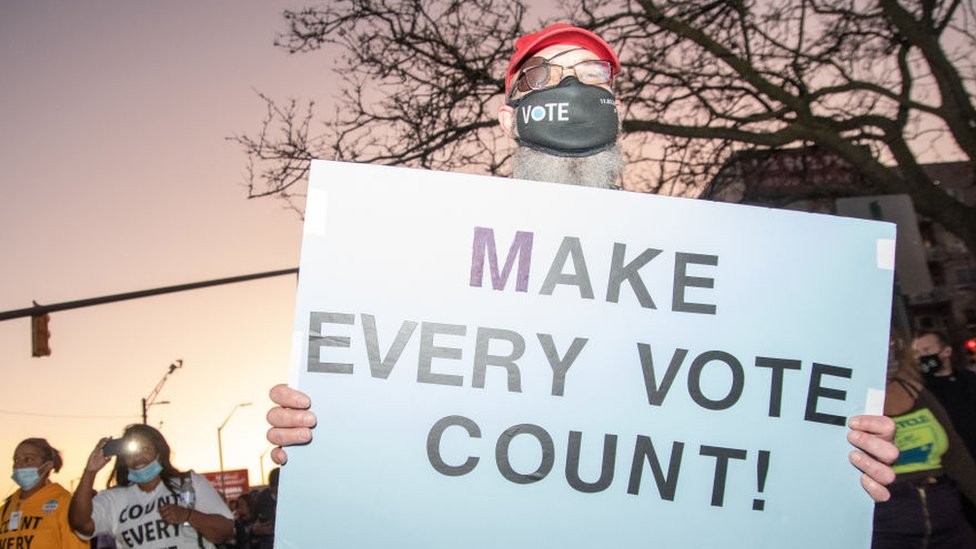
569	119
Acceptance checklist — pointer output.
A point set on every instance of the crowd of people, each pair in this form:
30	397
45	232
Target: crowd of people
254	517
147	502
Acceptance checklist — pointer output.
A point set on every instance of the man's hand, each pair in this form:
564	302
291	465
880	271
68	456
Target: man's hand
290	421
873	435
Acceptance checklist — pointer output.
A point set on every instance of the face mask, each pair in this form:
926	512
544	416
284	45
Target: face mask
26	477
570	119
929	364
147	473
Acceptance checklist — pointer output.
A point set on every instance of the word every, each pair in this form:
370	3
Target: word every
20	542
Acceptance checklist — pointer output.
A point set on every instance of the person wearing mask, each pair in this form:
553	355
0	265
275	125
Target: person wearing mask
36	515
149	503
576	145
955	388
934	470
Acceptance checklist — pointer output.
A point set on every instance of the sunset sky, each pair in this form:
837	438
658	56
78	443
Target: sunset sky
117	176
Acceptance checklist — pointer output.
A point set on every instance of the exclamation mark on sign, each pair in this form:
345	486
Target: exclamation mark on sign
762	468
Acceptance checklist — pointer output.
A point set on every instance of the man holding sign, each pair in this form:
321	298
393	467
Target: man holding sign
562	113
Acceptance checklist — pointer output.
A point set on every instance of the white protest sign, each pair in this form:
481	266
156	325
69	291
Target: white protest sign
504	363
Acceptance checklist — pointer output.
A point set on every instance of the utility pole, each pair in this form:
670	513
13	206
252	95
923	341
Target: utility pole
151	399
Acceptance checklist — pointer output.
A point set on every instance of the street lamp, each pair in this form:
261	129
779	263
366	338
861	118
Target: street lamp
151	399
220	446
261	460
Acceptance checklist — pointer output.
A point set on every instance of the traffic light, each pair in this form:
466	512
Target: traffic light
40	334
971	347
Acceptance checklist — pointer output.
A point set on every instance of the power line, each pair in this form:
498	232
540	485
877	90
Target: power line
64	416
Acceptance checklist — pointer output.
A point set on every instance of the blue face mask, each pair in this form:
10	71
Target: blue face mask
26	477
147	473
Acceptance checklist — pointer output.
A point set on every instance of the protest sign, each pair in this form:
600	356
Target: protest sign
504	363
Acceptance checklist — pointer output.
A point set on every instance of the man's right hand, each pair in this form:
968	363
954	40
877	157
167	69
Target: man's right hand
291	421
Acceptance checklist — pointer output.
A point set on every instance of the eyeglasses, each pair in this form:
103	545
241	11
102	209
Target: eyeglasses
544	74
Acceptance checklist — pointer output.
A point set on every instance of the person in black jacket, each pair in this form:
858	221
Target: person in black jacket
954	387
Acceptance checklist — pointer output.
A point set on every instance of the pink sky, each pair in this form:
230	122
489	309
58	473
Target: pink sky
115	177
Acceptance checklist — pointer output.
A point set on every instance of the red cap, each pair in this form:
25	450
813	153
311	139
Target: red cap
562	35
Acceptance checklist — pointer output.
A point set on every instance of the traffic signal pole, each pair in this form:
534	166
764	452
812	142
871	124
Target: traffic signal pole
40	313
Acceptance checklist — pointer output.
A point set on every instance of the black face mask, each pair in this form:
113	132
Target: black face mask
929	364
570	119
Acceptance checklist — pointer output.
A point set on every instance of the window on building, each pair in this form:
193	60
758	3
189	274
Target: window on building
938	274
927	233
970	315
965	275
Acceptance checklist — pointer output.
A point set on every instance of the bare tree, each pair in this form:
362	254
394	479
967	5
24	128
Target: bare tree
417	83
879	83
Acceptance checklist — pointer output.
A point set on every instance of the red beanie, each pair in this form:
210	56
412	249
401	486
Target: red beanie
562	35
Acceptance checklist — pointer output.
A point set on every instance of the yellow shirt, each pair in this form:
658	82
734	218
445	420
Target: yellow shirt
921	442
42	522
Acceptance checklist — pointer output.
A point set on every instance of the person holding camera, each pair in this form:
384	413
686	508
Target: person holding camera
149	503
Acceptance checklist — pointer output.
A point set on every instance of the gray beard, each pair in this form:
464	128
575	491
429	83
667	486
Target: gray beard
599	170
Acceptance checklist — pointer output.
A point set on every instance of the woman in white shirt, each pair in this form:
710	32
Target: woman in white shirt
149	503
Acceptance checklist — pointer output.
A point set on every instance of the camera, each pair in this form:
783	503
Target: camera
114	447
